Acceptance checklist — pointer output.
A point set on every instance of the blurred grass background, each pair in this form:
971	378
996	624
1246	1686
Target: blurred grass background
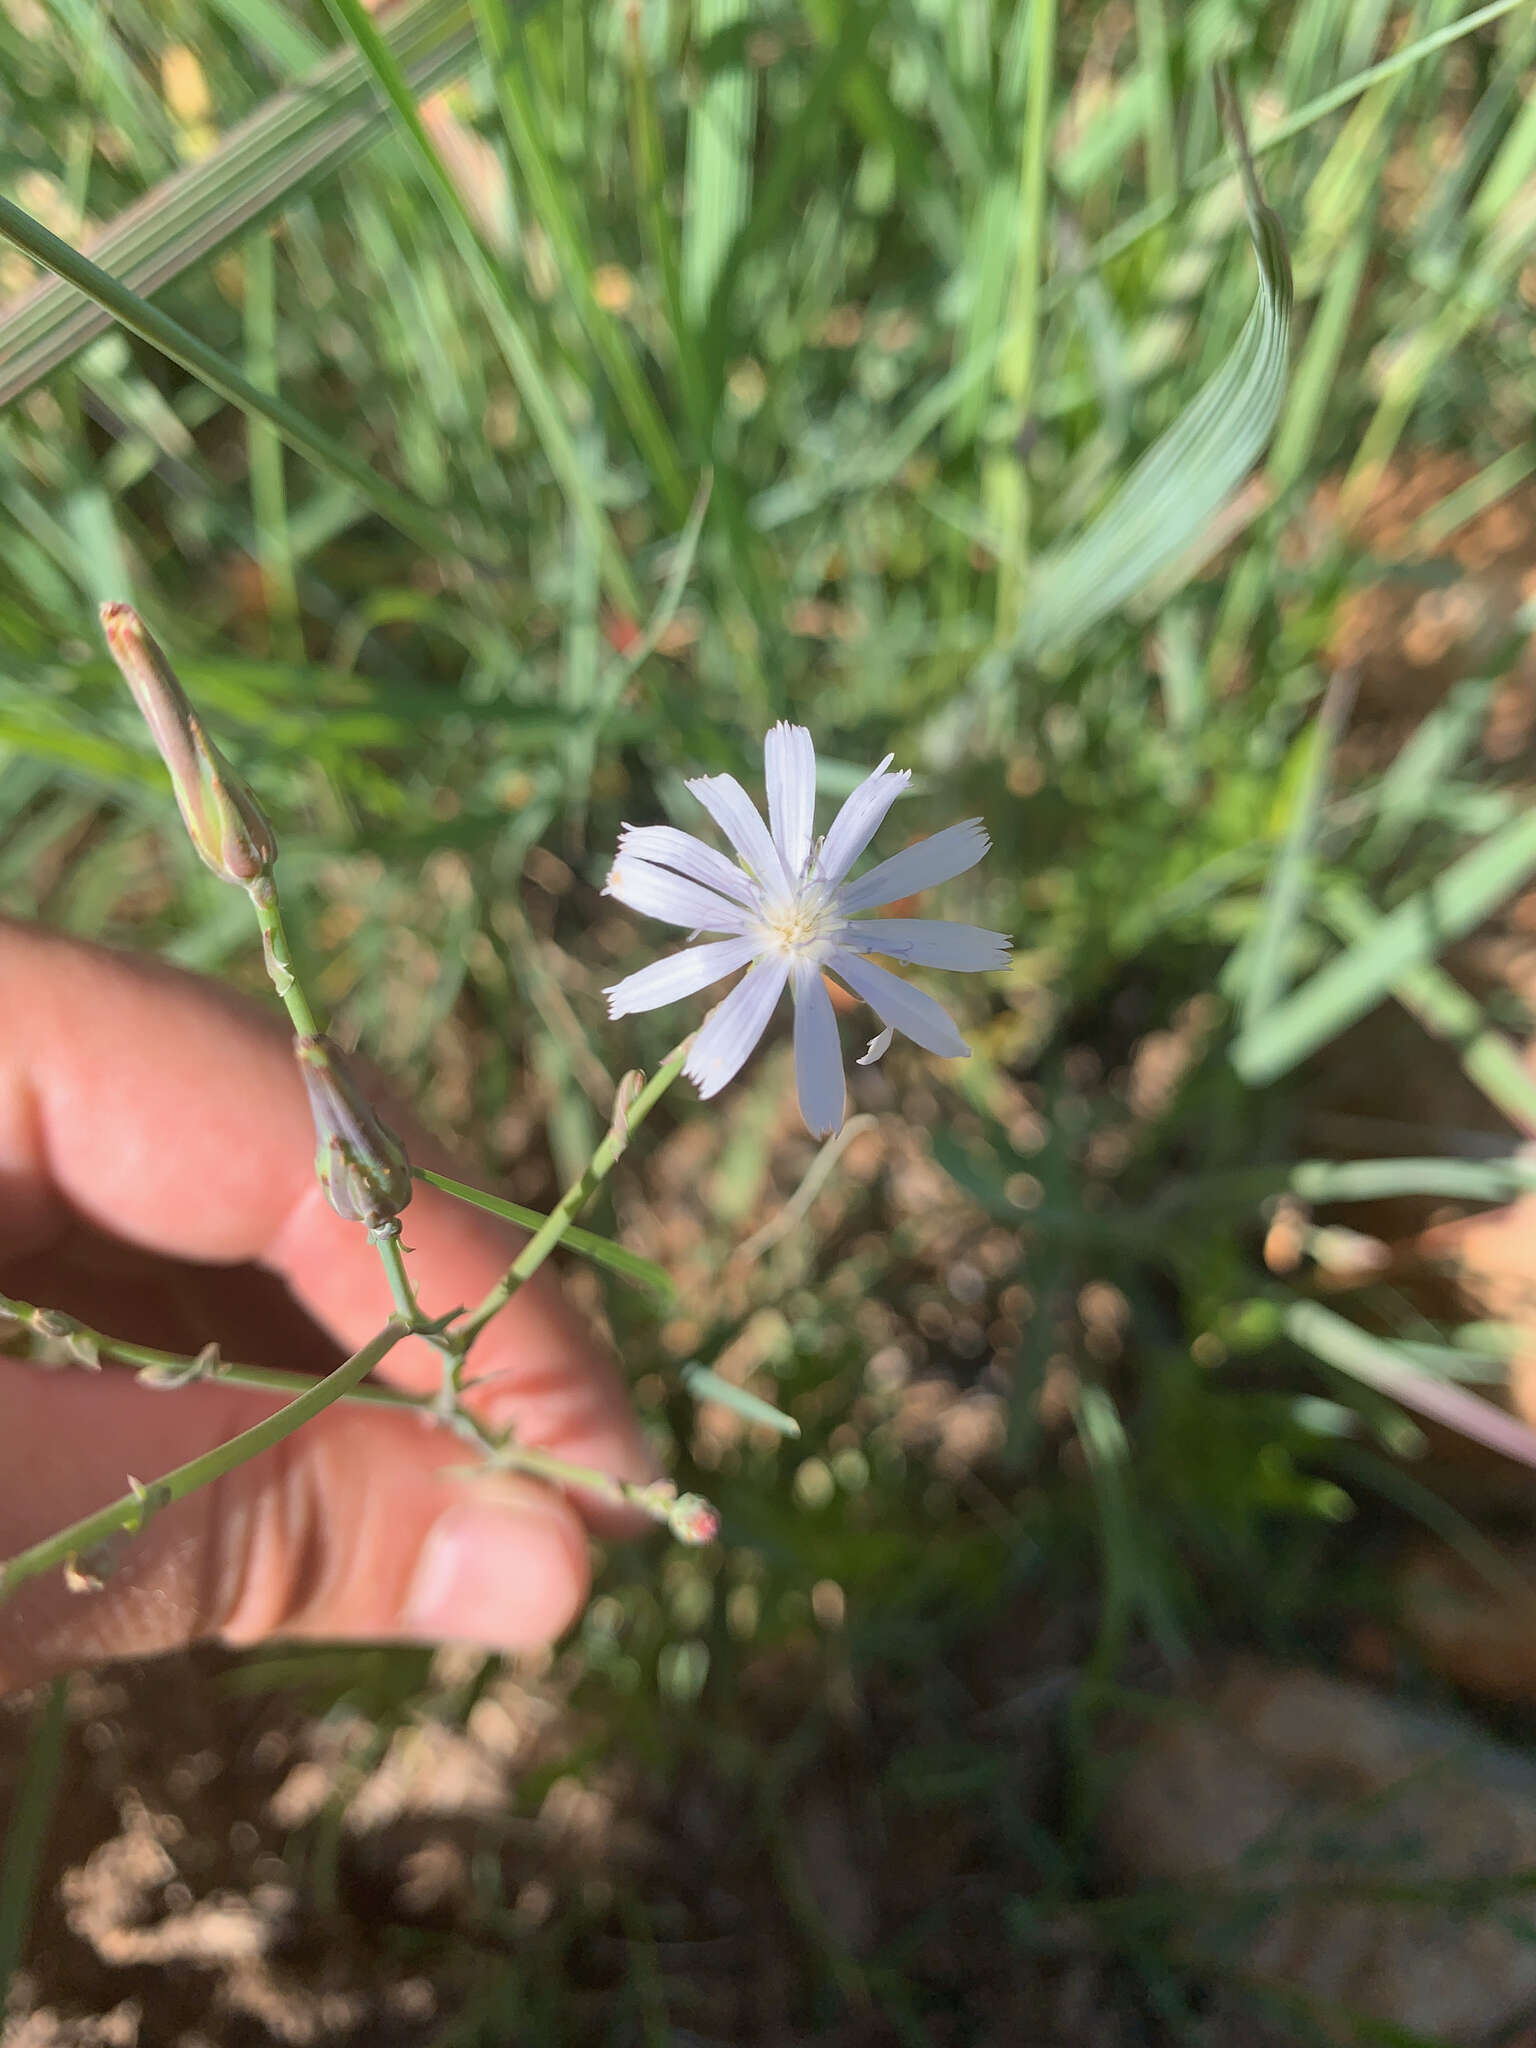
910	286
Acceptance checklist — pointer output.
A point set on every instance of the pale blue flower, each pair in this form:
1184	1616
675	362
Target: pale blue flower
786	913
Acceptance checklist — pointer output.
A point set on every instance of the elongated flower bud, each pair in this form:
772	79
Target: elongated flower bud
223	819
359	1162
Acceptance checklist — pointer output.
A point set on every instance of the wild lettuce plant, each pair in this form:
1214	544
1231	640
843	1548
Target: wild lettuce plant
788	910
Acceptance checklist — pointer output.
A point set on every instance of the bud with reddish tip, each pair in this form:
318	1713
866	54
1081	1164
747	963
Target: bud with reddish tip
359	1162
223	819
693	1519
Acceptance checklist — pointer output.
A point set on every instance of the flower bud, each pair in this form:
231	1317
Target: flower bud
223	819
693	1519
360	1164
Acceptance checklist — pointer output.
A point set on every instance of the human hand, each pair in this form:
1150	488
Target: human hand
156	1181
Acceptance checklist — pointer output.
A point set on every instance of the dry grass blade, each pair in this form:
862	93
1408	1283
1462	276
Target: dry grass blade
298	136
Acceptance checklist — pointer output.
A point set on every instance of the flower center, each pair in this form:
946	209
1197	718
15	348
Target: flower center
803	926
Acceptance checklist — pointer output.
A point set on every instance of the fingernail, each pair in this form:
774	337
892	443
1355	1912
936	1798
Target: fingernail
507	1573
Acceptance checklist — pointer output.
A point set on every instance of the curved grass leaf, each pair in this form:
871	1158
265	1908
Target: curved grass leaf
627	1265
296	137
1170	498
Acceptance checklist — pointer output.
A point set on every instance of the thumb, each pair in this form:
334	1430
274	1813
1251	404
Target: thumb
363	1524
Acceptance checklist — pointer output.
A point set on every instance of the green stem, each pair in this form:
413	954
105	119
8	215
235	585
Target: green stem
176	1368
571	1203
657	1500
447	1344
392	1258
279	956
134	1508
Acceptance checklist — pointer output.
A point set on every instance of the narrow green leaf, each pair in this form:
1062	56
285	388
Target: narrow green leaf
1006	482
1179	485
26	1833
1417	931
705	1385
1504	474
601	1251
182	346
717	174
1489	1058
1375	1363
296	138
1426	762
498	300
617	677
1152	216
1158	117
269	502
1285	890
1375	1180
1133	1582
549	190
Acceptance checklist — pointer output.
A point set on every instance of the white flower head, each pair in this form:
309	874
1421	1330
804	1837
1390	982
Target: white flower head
786	914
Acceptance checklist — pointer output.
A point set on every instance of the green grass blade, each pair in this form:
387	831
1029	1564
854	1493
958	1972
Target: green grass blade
1491	1061
1006	482
1416	932
1133	1584
182	346
1428	758
619	674
1376	1180
26	1835
717	174
642	1273
1179	485
1285	891
297	137
1152	216
1158	124
269	503
548	189
705	1385
1504	474
1349	1349
498	300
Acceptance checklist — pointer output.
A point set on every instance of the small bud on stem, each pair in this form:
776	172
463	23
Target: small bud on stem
359	1162
223	819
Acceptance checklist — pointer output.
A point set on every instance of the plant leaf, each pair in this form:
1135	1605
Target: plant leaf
1179	485
1344	1345
419	522
601	1251
1415	933
294	139
1285	890
705	1385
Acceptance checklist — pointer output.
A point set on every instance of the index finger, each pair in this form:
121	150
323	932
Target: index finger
169	1111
